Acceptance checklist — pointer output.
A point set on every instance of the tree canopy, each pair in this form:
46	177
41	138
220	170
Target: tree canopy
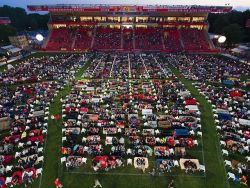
23	21
232	25
5	32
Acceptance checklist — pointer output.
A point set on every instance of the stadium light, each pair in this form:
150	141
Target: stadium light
39	37
222	39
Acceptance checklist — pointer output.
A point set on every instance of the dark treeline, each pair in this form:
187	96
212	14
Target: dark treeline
23	21
232	24
20	21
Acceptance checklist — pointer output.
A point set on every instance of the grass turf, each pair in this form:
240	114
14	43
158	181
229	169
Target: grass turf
215	171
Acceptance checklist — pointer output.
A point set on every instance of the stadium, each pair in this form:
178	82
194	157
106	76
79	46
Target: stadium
129	28
118	96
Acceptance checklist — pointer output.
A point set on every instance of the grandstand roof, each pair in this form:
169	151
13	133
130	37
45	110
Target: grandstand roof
129	8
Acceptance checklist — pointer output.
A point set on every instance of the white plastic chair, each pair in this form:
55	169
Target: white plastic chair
40	158
84	139
64	138
224	152
39	171
129	151
222	143
8	180
195	142
40	150
191	132
218	127
247	158
63	130
176	163
84	160
129	161
228	163
157	131
17	154
171	151
202	168
8	168
63	159
44	131
231	176
83	130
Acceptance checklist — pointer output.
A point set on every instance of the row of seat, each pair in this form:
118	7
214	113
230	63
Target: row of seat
100	38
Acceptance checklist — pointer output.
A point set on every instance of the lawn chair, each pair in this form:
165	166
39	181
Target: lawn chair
84	160
222	143
8	180
228	163
63	159
129	161
199	133
231	176
224	152
202	168
39	171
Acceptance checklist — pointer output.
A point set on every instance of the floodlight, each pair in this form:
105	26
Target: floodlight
39	37
222	39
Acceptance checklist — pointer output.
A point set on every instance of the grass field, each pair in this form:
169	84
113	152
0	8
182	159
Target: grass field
215	176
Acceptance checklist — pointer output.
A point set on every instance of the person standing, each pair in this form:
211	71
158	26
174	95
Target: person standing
97	183
171	185
153	173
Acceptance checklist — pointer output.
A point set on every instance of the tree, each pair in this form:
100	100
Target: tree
23	21
233	33
219	24
5	32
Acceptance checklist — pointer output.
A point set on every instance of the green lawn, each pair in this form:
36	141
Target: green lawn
215	172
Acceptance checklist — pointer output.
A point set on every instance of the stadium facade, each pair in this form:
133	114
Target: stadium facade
129	28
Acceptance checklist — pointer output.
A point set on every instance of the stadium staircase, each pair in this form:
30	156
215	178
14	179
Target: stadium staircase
93	39
211	44
181	42
46	40
133	38
74	42
162	41
121	39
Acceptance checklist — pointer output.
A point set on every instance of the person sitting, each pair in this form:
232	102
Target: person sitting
171	184
58	183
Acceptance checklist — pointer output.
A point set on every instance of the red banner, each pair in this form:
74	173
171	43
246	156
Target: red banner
248	23
5	21
129	8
